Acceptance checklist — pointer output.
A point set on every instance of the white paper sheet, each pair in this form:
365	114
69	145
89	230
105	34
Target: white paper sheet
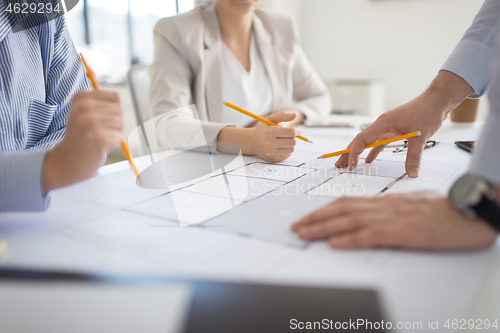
271	171
352	185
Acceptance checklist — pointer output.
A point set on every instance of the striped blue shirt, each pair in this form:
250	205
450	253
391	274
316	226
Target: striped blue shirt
40	72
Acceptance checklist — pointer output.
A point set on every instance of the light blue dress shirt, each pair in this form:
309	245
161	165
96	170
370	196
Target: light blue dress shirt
476	59
472	57
40	72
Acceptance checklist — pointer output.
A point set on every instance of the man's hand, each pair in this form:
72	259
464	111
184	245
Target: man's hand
425	113
94	128
420	221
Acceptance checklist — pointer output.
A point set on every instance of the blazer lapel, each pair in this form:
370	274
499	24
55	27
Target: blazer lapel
269	54
213	79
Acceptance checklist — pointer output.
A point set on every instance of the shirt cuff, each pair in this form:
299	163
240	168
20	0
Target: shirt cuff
485	161
21	182
211	131
472	61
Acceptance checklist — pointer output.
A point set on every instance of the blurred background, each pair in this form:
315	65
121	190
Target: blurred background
373	54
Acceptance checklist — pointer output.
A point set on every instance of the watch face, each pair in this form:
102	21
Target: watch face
468	191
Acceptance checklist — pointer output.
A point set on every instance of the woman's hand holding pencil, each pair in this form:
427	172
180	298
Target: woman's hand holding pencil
275	144
267	139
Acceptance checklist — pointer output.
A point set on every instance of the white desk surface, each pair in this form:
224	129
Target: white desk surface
487	304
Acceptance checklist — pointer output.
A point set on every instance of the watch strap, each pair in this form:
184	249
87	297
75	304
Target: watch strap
489	211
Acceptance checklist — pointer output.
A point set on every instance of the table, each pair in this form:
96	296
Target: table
486	306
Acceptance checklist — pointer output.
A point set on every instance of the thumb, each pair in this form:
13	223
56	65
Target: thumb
415	148
281	117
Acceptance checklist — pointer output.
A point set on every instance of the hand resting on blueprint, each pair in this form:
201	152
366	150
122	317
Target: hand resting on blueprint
272	143
418	221
425	113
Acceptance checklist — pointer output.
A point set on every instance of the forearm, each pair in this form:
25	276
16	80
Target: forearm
447	91
242	137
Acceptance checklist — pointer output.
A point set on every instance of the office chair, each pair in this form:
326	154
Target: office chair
138	79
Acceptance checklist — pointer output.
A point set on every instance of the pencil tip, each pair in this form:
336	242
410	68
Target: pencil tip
310	141
320	158
419	133
224	103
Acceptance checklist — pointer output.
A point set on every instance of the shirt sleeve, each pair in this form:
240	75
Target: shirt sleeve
472	57
486	158
21	177
20	180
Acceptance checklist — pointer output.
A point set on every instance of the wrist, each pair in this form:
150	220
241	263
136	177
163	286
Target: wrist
447	91
242	137
54	173
496	189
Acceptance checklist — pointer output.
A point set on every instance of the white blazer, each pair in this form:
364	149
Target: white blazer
187	70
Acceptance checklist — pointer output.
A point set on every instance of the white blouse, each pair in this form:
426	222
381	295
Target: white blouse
248	90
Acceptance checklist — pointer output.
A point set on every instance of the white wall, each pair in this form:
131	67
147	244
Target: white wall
401	42
292	8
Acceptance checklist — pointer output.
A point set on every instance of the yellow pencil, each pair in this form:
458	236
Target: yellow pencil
258	118
126	152
3	246
375	144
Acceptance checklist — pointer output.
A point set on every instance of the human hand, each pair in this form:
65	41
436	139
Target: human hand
299	118
272	143
419	221
425	113
94	128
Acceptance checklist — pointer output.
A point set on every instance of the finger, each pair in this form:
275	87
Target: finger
344	159
97	106
372	155
415	148
342	162
338	208
285	143
365	238
103	95
285	151
334	227
377	130
111	122
281	117
284	157
285	132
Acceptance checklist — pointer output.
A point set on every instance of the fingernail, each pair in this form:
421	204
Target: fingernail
414	172
298	131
